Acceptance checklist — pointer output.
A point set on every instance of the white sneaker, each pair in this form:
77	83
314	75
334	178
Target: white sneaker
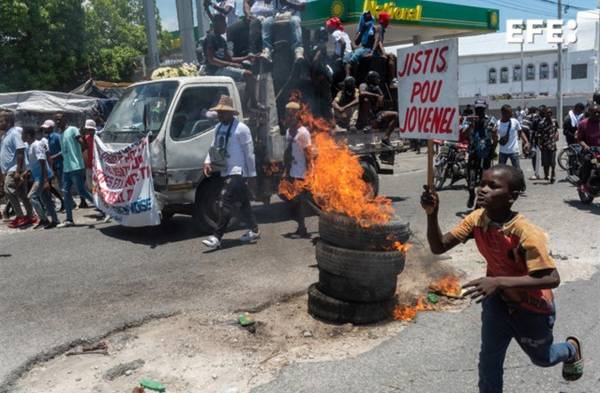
266	53
212	242
299	53
250	237
66	224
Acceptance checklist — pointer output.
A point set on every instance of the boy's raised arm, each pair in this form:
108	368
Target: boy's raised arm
438	243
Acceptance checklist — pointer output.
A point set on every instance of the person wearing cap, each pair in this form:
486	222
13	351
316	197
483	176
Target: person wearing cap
52	133
47	129
369	38
482	142
72	144
297	160
341	39
13	165
41	174
345	104
233	142
89	130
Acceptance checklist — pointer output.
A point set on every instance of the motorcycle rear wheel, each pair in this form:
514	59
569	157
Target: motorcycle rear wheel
563	159
440	178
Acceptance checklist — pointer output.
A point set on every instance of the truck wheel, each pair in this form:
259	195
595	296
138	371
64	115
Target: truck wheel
370	177
206	208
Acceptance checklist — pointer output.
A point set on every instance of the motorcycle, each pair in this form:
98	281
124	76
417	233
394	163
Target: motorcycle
591	189
568	159
450	163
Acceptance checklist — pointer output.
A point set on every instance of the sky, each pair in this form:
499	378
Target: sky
509	9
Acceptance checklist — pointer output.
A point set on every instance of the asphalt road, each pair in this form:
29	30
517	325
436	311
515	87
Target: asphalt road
60	286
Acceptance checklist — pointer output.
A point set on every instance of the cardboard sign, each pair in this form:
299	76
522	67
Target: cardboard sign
428	91
123	186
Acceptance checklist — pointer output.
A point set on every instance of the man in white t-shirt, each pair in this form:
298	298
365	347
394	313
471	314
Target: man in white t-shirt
233	142
296	160
39	194
509	134
343	45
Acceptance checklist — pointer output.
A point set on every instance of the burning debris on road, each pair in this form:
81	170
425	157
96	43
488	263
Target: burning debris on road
447	286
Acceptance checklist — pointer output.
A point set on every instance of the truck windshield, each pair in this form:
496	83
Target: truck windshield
151	100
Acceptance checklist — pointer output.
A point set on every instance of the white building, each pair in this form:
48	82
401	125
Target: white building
491	67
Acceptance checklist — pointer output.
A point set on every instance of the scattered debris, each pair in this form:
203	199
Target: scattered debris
100	348
433	298
246	319
121	369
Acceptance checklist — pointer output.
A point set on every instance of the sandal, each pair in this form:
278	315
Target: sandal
573	370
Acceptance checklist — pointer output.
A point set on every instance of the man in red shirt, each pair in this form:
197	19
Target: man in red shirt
588	135
88	155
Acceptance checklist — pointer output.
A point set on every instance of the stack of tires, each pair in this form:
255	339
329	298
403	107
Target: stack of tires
357	272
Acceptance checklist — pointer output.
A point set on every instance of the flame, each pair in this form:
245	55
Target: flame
335	179
405	312
448	285
397	245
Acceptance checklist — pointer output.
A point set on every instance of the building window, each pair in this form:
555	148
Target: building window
492	77
544	71
555	70
504	75
530	72
517	73
579	71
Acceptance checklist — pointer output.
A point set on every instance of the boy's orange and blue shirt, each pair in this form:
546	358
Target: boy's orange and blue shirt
515	248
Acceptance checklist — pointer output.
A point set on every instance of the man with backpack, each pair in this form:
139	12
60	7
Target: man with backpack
509	134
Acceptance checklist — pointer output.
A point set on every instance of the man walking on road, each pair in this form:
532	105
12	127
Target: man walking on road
232	154
297	161
588	136
509	134
13	165
72	144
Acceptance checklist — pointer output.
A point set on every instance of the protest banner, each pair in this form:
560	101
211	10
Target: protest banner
428	94
123	187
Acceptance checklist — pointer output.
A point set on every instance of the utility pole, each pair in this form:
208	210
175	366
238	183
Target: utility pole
185	18
559	93
202	18
522	78
153	58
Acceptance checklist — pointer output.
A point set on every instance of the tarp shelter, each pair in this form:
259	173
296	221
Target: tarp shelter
411	19
33	107
101	89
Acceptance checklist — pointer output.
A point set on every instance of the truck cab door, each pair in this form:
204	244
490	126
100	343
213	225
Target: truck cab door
189	135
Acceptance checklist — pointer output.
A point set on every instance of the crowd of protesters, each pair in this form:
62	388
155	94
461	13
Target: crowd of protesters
532	133
39	166
351	81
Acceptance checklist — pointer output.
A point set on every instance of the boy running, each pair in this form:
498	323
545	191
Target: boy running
516	292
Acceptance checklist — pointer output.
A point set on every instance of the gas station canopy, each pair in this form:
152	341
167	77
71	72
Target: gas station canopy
425	20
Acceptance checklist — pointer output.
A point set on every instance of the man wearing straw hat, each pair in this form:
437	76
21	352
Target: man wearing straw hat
232	155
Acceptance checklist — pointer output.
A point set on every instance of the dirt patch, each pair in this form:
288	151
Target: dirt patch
212	353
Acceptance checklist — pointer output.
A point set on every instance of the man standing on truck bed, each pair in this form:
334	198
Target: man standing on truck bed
232	154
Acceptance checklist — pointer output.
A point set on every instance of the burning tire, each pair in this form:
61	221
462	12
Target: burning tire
332	310
358	276
343	232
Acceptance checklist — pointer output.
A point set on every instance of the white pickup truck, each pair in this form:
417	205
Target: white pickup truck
175	114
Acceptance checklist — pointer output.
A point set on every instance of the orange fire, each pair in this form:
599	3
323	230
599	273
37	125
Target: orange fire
448	286
405	312
335	179
397	245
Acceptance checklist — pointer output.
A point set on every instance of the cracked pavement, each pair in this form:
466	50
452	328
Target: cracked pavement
60	286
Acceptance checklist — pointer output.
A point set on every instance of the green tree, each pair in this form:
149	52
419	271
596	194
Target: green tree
58	44
116	38
38	45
